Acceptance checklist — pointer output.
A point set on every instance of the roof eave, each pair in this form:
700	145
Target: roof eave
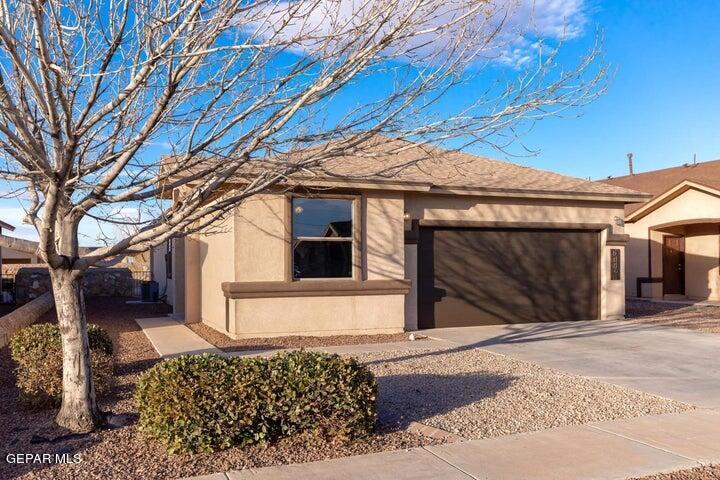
422	187
549	194
389	184
6	226
667	196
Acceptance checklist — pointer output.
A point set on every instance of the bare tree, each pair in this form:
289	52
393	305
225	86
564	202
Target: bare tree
230	88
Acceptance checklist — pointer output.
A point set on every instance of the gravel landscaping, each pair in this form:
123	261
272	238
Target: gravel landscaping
478	394
227	344
700	473
123	453
692	317
472	393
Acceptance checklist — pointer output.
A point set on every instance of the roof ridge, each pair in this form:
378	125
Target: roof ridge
677	167
486	158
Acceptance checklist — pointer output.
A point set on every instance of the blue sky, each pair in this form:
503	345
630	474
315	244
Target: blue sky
663	103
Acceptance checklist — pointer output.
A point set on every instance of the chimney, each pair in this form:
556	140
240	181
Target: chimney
630	164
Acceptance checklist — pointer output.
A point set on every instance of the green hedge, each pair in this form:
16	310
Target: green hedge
202	403
37	351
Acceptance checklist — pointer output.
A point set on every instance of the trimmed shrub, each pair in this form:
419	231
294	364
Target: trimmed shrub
37	351
202	403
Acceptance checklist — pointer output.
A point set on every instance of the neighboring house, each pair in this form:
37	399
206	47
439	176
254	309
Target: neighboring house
452	240
674	249
17	257
8	256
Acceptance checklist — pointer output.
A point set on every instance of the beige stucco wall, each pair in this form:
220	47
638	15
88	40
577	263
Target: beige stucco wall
701	278
349	315
383	235
215	256
260	239
702	250
10	253
262	254
253	246
491	209
612	292
158	269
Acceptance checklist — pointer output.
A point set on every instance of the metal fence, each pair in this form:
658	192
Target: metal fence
140	276
7	291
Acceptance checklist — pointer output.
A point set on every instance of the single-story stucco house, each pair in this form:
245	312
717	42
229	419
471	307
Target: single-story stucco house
674	248
439	238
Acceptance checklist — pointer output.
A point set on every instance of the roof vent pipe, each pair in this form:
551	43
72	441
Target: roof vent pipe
630	164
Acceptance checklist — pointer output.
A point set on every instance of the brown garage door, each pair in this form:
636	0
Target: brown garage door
493	276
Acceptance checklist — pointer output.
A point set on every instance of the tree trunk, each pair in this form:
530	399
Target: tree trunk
79	411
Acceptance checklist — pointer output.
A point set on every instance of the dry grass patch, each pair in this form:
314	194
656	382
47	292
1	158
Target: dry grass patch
478	394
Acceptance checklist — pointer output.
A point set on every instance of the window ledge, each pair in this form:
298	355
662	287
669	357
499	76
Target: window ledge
315	288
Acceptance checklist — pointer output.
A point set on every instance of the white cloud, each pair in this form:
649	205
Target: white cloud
523	24
557	19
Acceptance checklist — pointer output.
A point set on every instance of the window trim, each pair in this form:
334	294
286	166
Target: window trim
355	239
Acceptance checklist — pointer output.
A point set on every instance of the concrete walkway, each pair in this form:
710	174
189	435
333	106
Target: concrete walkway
598	451
666	361
670	362
171	338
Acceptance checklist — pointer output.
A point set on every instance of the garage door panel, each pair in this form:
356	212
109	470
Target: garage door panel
508	276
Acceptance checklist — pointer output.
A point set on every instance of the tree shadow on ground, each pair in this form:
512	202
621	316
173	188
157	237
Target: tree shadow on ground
518	334
30	430
403	399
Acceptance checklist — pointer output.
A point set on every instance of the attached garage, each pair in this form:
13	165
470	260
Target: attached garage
395	236
483	276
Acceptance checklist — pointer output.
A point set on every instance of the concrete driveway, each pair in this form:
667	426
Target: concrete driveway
670	362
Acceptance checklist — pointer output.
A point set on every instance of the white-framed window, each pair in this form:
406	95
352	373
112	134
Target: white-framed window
322	237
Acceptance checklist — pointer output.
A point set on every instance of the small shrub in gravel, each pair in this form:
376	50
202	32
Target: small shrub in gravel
202	403
37	351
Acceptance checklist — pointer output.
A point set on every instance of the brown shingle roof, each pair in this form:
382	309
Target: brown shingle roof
404	162
400	162
657	182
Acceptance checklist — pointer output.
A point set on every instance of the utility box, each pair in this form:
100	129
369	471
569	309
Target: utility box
149	291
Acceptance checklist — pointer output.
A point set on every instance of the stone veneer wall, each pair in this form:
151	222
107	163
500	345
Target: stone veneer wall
33	281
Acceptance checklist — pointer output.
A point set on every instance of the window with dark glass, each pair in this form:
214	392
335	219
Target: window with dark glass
322	235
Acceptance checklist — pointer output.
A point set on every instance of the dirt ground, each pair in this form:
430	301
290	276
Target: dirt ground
227	344
692	317
480	391
701	473
123	452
